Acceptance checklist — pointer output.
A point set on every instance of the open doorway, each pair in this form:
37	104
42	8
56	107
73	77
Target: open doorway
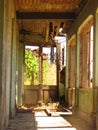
31	74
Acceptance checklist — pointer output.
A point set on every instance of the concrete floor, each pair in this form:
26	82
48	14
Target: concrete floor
82	121
39	120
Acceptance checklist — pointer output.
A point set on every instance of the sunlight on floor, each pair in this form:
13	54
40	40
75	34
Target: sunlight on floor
56	129
42	121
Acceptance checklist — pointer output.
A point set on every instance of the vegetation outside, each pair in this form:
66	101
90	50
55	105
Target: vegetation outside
32	67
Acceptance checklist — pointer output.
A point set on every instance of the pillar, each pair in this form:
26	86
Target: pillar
95	77
77	68
95	74
13	70
40	74
47	33
19	88
58	67
66	77
1	58
96	52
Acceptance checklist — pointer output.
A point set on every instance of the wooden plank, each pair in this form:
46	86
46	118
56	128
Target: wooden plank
48	112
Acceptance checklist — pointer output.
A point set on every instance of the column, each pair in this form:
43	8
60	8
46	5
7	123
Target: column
95	73
40	73
96	52
58	67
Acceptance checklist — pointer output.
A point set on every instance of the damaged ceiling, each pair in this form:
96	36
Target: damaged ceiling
40	20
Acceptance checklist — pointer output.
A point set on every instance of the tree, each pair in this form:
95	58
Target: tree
31	64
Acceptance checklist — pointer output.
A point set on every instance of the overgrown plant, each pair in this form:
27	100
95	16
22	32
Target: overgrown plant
31	65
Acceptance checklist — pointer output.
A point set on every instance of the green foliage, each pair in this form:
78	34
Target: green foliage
45	66
31	64
45	70
32	67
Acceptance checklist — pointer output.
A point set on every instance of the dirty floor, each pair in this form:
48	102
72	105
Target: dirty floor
40	120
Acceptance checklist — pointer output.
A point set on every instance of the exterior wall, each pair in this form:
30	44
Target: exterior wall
83	96
86	100
8	67
31	95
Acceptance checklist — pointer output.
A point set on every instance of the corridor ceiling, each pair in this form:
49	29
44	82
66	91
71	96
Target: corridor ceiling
40	20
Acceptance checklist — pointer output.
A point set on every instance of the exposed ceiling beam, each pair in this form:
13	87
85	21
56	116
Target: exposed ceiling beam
45	15
31	43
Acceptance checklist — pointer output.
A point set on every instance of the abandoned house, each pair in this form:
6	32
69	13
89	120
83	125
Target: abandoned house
38	23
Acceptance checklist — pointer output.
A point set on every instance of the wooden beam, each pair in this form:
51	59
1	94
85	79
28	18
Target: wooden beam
32	43
58	66
45	15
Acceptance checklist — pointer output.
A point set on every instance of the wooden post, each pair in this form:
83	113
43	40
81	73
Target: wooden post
47	32
40	73
58	67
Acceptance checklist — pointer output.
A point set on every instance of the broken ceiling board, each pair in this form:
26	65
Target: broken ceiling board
47	10
33	38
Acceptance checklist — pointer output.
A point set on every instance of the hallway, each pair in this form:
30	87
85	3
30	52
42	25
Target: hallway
39	120
39	23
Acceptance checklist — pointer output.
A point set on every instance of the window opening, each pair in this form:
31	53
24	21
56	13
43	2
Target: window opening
72	62
62	41
91	56
49	66
86	55
31	75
